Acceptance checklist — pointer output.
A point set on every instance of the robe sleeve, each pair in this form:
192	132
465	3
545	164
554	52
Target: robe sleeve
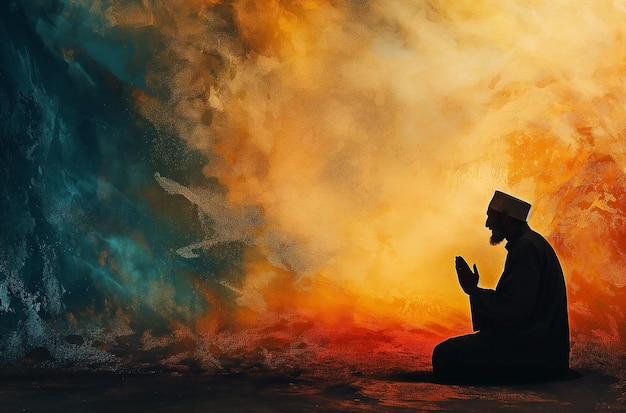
515	296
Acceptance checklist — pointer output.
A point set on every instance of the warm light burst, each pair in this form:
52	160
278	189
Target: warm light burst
359	143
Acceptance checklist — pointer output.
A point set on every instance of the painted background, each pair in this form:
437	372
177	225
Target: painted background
221	186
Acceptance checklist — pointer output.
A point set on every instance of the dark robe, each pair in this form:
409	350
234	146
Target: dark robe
522	326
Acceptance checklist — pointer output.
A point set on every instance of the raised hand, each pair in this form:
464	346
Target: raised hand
467	278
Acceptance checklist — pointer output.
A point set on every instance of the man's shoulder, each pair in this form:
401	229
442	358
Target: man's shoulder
532	240
532	235
529	238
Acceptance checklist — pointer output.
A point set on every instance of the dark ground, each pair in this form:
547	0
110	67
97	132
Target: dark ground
49	391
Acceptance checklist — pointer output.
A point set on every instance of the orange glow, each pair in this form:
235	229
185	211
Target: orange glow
360	142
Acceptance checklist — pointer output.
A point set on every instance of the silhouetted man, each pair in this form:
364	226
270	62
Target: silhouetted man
522	325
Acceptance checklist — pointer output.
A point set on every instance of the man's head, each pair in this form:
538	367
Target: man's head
504	215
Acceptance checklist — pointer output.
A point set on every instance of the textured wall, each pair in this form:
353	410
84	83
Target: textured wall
217	185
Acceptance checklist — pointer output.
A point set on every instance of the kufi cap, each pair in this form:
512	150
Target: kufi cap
516	208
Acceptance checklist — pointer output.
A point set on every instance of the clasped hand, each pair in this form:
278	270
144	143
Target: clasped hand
467	278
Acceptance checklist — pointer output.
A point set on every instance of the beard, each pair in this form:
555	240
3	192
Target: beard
497	236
